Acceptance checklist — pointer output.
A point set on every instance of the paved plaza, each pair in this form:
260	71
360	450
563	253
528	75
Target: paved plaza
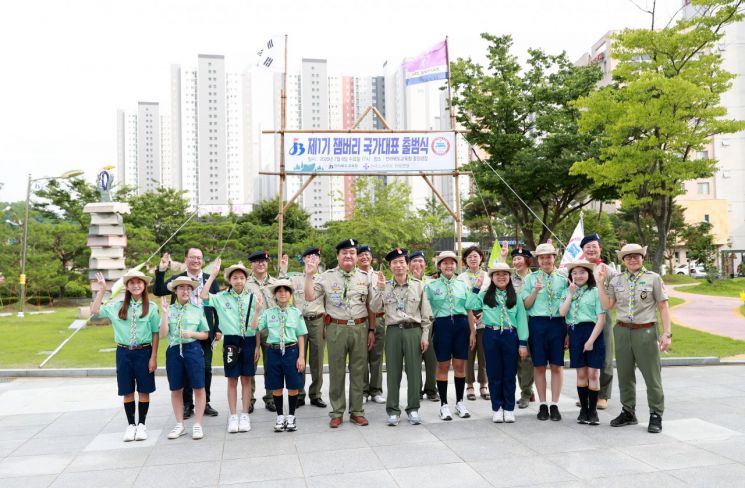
62	432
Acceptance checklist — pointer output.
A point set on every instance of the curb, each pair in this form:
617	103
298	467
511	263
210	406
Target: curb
109	372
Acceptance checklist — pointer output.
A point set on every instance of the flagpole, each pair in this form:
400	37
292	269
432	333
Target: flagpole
282	174
459	216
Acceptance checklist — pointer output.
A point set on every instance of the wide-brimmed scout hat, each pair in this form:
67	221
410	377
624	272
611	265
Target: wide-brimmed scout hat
631	249
446	255
544	249
135	274
581	263
182	280
236	267
499	267
283	283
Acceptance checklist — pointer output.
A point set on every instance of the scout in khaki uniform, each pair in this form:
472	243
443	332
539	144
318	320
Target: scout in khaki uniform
505	339
238	311
637	295
521	259
373	385
417	265
135	322
184	324
258	284
542	294
407	319
455	332
585	319
346	293
591	248
313	316
285	347
473	273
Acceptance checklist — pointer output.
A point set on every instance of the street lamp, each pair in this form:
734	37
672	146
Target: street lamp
22	277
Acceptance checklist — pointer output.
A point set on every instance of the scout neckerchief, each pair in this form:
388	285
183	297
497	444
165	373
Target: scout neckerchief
576	299
345	295
196	296
181	309
549	291
448	284
501	297
632	278
282	323
238	297
400	297
262	286
133	309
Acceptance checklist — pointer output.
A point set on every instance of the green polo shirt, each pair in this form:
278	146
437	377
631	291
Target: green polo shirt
450	297
543	306
231	310
189	317
501	316
585	306
135	330
273	319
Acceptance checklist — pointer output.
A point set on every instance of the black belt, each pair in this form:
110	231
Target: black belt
405	325
313	317
135	347
278	346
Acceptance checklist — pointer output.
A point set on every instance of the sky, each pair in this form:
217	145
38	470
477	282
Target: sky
68	65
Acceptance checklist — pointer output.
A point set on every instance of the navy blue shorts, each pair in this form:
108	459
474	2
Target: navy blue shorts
190	366
578	335
281	371
244	364
546	340
450	338
131	371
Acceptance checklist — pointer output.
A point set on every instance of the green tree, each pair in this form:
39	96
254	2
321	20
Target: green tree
639	227
162	212
524	119
663	107
436	220
701	248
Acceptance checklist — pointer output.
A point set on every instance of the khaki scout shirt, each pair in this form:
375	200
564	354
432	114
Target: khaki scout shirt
308	309
637	296
403	303
330	285
260	288
517	281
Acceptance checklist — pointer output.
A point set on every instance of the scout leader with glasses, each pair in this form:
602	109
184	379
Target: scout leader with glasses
346	291
454	331
135	323
407	319
638	294
184	324
238	310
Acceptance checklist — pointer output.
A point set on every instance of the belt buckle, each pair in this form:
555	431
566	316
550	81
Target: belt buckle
350	322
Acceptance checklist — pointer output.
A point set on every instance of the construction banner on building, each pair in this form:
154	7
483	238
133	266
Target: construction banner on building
360	152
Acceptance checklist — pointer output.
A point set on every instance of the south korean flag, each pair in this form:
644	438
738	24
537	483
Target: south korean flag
271	55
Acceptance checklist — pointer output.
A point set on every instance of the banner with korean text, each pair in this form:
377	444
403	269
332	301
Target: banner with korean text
369	152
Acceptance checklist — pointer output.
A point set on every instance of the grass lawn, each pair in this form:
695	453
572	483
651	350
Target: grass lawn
723	288
674	279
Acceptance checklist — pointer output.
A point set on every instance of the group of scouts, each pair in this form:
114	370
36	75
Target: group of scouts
514	323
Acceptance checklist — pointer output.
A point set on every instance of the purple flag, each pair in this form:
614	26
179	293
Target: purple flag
429	66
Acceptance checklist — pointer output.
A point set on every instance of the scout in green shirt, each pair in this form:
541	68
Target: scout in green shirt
505	338
135	324
586	319
238	310
285	352
474	256
454	332
521	260
184	324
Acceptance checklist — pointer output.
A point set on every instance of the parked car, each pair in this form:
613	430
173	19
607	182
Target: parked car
690	269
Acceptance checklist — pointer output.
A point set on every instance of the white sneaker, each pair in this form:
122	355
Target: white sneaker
393	420
378	399
232	424
130	433
414	418
196	432
177	431
445	413
509	416
279	425
244	423
141	432
290	424
498	416
462	410
364	398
